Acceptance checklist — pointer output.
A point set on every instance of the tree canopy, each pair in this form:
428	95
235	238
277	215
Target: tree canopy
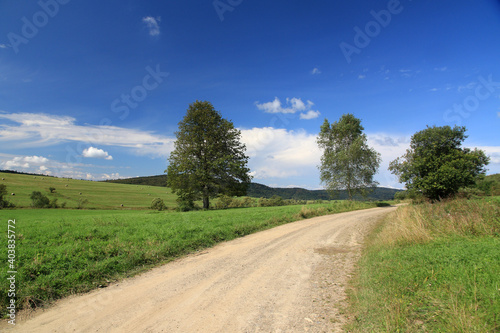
436	165
347	162
208	159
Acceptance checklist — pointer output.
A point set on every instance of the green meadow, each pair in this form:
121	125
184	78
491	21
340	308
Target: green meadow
60	252
431	268
98	195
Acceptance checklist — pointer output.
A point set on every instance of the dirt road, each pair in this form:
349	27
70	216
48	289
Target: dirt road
287	279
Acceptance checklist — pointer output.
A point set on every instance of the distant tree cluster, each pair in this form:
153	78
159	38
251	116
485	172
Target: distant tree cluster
225	202
39	200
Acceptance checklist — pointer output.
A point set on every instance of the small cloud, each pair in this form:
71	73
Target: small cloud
3	46
112	176
152	24
293	105
406	73
310	115
96	153
361	77
434	89
315	71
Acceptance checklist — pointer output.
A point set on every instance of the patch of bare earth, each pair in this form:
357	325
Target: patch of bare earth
287	279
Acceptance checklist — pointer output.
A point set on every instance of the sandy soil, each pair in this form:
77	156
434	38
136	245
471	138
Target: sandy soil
287	279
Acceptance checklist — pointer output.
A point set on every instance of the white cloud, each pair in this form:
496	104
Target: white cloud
293	105
310	115
152	24
112	176
24	162
92	152
361	77
278	153
41	130
43	165
390	147
3	46
315	71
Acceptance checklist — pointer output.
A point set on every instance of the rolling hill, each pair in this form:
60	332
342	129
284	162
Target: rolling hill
74	192
257	190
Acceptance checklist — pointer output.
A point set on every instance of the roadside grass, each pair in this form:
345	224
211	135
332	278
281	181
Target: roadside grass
431	268
99	195
63	252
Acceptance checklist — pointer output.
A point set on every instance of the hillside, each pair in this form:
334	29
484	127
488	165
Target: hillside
74	192
257	190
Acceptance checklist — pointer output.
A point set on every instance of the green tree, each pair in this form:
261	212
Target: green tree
38	200
4	203
208	160
347	162
158	204
436	166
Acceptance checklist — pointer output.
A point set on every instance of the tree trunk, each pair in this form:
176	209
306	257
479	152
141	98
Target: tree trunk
206	202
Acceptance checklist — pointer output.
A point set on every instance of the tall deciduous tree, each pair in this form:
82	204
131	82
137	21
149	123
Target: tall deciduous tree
208	159
436	165
347	162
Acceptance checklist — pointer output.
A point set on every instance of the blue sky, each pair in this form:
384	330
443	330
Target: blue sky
95	90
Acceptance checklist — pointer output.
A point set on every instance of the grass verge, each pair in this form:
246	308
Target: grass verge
431	268
63	252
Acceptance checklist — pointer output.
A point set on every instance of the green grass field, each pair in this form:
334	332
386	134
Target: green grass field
99	195
61	251
431	268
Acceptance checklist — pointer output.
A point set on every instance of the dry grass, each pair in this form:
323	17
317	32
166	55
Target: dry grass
425	222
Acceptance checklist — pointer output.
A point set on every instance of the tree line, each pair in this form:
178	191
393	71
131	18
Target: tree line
209	159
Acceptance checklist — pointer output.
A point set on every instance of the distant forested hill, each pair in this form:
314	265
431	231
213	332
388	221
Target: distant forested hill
257	190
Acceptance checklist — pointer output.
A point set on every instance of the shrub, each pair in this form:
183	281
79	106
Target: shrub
158	204
276	200
52	189
185	205
401	195
469	192
53	204
81	203
38	200
224	202
4	203
247	202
